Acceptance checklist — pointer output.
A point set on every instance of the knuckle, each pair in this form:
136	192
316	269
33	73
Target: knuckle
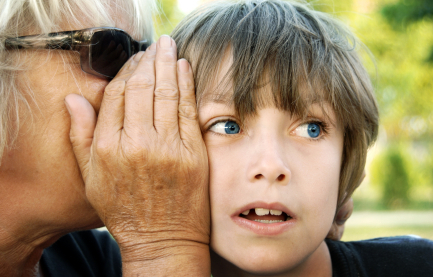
164	57
134	154
115	87
165	125
138	150
188	111
140	82
166	93
103	148
186	86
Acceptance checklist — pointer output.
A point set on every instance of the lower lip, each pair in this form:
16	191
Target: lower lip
264	229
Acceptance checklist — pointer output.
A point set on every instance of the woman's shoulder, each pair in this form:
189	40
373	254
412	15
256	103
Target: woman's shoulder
85	253
388	256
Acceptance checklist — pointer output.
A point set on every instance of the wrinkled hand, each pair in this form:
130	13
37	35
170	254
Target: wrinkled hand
145	165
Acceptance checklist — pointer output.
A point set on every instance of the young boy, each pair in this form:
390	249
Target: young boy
287	113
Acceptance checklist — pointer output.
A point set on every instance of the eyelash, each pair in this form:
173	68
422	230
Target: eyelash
225	120
324	128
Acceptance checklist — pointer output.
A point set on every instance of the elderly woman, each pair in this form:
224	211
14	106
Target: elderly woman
48	192
92	133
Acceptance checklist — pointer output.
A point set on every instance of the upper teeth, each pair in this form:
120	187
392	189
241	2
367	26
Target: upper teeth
246	212
276	212
261	211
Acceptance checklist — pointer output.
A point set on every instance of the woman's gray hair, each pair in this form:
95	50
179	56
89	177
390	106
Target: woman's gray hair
305	56
25	17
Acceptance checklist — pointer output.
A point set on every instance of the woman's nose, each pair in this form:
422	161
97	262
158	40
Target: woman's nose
269	164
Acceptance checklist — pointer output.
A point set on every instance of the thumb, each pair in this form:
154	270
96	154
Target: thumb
83	122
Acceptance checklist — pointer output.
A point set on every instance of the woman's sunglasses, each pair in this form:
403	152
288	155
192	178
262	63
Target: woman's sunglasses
103	51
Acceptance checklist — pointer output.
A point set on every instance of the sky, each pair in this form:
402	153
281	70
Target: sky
186	6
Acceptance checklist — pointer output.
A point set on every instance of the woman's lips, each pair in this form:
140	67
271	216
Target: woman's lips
261	228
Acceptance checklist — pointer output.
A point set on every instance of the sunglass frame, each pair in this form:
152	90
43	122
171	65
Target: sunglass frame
77	40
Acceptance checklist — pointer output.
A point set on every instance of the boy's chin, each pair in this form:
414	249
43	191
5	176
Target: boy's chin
252	264
266	270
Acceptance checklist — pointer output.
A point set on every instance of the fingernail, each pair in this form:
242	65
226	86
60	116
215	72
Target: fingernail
183	66
165	41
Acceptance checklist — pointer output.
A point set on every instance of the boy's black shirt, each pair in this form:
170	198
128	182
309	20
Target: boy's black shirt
83	254
94	253
391	256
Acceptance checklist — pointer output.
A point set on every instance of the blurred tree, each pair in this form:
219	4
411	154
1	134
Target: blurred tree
389	171
167	18
402	78
404	88
405	12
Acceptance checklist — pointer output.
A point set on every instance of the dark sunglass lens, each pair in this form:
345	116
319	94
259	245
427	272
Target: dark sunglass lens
109	52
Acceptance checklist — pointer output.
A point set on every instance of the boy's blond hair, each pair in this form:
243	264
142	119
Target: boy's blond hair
307	56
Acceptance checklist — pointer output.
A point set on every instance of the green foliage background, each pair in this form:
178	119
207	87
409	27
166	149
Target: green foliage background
399	34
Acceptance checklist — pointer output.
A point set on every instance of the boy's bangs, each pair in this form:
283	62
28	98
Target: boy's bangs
273	87
269	43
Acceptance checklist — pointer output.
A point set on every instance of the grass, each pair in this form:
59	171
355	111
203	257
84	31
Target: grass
370	224
368	232
371	218
361	204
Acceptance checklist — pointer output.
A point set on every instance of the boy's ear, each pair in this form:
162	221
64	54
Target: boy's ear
343	214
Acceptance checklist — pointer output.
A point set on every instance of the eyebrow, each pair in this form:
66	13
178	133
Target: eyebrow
326	114
215	98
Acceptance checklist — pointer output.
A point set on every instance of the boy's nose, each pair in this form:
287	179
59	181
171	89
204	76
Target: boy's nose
269	165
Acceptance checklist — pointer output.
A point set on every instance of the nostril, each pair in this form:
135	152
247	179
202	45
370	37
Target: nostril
281	177
258	176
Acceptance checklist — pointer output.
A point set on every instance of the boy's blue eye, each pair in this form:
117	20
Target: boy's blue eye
226	127
308	130
313	130
232	127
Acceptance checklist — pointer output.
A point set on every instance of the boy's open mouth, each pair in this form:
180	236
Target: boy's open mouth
265	215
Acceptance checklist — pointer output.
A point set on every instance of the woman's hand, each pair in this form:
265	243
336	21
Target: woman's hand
145	164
